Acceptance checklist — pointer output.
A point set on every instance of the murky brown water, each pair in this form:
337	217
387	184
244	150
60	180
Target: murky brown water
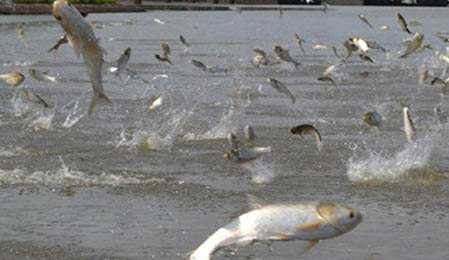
81	189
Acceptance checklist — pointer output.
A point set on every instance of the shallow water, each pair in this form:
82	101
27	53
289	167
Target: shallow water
88	187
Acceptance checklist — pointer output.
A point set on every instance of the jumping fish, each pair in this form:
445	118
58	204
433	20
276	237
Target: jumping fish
409	128
279	86
62	40
302	130
32	97
246	154
12	79
300	43
200	65
183	41
234	141
266	222
43	76
412	44
285	55
250	135
402	23
123	61
317	47
21	34
82	38
365	20
155	103
385	27
163	58
422	77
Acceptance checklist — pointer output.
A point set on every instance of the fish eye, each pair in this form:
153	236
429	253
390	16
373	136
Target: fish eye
351	214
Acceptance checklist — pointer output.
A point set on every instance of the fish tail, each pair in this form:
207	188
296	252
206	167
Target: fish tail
97	96
222	237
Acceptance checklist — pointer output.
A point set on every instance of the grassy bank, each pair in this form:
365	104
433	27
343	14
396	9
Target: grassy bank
70	1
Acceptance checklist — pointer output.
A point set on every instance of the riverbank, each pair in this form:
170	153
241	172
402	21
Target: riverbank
16	9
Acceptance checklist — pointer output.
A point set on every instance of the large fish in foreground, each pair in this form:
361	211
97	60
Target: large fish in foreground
309	221
82	38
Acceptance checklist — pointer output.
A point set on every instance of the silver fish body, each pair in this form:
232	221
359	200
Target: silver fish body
12	79
250	135
183	41
309	221
365	20
279	86
300	43
402	23
413	45
409	128
82	38
285	55
42	76
122	62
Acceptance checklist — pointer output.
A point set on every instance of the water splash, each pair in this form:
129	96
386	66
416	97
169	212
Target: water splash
66	176
260	173
412	159
74	116
37	117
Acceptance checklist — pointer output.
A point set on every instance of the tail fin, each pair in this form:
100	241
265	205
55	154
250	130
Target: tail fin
97	96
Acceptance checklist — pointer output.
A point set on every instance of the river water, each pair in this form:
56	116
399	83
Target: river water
75	186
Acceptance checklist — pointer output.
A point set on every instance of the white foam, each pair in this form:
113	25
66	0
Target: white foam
391	168
260	172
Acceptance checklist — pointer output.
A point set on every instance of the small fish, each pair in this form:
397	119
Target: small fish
402	23
246	154
250	136
415	23
444	58
159	21
362	45
32	97
422	77
444	85
267	222
62	40
279	86
43	76
165	49
443	36
317	47
82	38
123	61
183	41
349	48
328	79
200	65
21	34
285	55
335	52
302	130
409	128
373	119
12	79
300	43
162	58
260	58
134	75
363	19
385	27
412	44
156	103
365	58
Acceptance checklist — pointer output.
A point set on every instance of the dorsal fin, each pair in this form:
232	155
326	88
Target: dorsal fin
255	202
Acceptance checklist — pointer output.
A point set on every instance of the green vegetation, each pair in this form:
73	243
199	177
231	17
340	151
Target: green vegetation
70	1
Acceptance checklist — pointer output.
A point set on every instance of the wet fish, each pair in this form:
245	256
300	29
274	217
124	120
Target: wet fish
163	58
328	79
82	38
385	27
365	20
422	77
412	44
300	43
43	76
12	79
361	44
32	97
200	65
246	154
310	130
134	75
444	85
123	61
159	21
409	128
250	135
21	34
402	23
335	52
317	47
183	41
165	49
443	36
285	55
62	40
156	103
266	222
260	58
350	47
234	141
372	118
279	86
365	58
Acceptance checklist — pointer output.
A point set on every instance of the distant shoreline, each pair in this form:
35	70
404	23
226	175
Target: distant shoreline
19	9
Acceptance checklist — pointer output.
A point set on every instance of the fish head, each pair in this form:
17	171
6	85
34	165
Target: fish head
338	216
56	9
127	51
367	117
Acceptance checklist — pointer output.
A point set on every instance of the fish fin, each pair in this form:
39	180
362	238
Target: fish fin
309	246
311	226
97	96
255	202
282	236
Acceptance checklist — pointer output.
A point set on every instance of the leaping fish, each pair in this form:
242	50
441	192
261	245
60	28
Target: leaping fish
250	135
279	86
246	154
302	130
266	222
363	19
183	41
412	44
82	38
409	128
300	43
402	23
62	40
285	55
122	62
43	76
12	79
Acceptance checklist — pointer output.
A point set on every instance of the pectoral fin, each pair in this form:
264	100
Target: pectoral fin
309	246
